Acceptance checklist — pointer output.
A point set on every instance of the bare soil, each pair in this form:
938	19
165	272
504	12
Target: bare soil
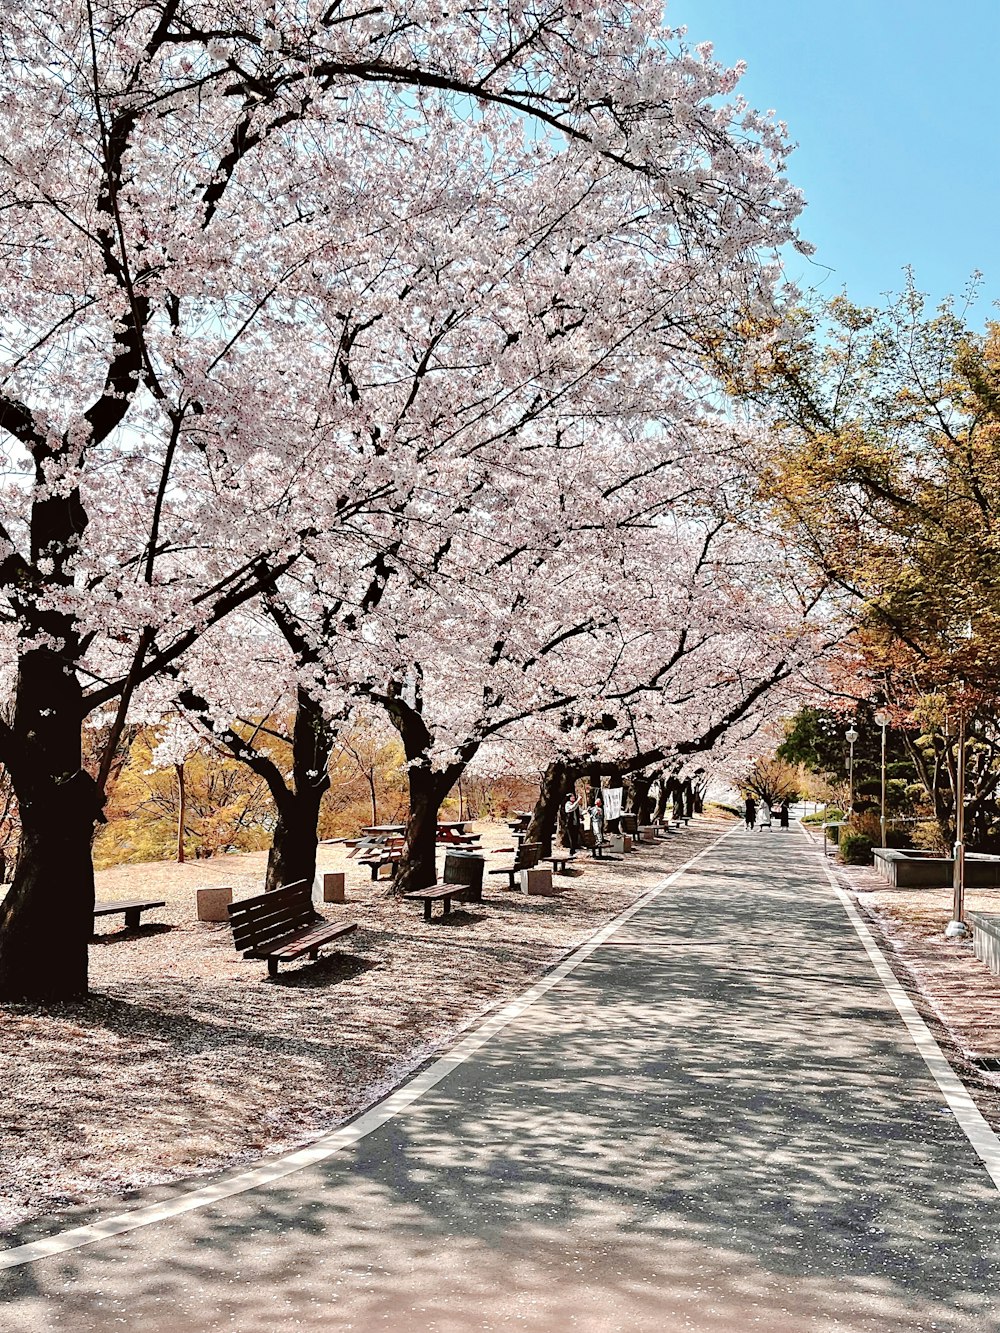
187	1059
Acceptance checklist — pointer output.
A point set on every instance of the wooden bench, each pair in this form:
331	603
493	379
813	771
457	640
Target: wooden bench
283	925
131	909
442	893
558	860
382	852
525	857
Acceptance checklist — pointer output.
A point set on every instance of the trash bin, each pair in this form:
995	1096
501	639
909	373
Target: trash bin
629	824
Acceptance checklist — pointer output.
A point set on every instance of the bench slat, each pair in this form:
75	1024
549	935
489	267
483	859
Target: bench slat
311	939
274	927
108	908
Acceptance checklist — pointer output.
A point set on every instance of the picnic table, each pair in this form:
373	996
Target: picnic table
373	830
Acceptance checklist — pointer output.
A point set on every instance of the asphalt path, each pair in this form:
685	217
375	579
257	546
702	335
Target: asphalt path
716	1122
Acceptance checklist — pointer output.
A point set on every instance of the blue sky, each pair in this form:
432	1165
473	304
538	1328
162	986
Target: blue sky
895	105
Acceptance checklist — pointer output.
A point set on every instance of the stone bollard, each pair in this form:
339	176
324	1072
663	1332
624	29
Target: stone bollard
538	883
333	887
212	904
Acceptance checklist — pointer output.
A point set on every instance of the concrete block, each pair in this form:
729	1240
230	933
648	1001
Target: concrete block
333	887
538	883
617	841
647	833
212	903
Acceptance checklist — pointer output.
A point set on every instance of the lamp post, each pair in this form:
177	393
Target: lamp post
956	927
852	736
882	720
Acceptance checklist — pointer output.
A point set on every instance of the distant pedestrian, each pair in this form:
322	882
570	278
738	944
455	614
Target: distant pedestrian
764	817
597	823
783	815
750	812
572	822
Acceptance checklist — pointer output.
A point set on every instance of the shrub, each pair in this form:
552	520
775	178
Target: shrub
898	837
856	849
831	812
728	809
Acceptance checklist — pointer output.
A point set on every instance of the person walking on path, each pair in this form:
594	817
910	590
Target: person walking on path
572	822
750	812
783	814
764	821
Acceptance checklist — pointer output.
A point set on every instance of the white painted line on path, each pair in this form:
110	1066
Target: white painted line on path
335	1141
954	1091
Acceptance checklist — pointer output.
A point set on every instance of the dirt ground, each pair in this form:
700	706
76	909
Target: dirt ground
187	1059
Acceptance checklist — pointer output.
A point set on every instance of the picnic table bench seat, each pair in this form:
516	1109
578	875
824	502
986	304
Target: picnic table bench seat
558	859
283	925
442	893
131	909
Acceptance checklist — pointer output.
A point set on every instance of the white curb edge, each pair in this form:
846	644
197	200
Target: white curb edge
330	1143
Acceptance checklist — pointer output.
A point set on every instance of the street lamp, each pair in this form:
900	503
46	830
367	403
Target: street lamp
882	720
852	736
956	927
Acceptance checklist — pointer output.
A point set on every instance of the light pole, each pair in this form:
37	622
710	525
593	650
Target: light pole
956	927
882	720
852	736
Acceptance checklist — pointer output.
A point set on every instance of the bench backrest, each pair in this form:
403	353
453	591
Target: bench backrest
268	918
527	855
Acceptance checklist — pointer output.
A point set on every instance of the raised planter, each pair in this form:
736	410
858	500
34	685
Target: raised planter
916	870
986	938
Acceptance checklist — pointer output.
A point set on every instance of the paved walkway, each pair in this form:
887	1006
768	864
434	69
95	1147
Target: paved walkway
716	1123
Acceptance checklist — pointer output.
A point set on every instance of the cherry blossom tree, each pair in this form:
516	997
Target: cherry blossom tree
189	191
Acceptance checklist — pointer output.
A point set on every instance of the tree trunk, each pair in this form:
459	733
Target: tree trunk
418	868
181	811
662	800
556	781
47	918
293	847
373	794
296	835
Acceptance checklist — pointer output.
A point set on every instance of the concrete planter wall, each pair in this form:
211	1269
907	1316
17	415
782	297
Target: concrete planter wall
914	870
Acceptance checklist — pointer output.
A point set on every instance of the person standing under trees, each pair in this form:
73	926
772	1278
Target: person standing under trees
750	812
783	814
572	822
597	823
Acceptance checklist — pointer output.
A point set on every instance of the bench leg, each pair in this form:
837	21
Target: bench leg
427	909
446	906
272	967
313	955
374	873
132	918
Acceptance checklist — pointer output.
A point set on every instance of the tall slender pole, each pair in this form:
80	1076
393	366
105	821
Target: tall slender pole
882	815
960	824
850	782
956	926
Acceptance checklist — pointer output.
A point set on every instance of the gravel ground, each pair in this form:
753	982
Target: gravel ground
187	1059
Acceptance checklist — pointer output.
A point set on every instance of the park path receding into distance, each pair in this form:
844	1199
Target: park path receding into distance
716	1122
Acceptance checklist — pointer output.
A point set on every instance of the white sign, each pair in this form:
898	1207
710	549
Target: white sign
612	797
